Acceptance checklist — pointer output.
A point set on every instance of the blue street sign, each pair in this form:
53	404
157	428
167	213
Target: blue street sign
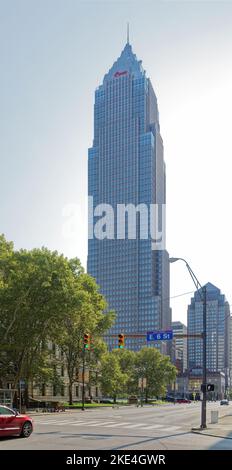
159	335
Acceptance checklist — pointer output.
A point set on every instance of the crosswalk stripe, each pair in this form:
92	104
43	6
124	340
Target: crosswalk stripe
170	429
46	422
111	424
154	426
63	423
79	423
100	424
115	425
131	426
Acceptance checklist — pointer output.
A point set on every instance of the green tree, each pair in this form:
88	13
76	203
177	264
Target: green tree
112	379
127	360
86	316
37	289
156	369
97	350
44	297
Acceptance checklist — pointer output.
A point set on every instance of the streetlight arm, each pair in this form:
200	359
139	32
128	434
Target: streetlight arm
193	276
203	295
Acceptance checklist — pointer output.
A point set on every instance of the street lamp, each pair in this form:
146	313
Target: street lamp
203	296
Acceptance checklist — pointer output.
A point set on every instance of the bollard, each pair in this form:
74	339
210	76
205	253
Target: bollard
214	417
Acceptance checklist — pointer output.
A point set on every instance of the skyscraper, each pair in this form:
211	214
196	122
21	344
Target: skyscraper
218	331
126	169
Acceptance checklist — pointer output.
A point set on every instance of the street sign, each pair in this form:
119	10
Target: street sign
159	335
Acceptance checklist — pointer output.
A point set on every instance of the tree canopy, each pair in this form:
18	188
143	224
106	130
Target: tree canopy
122	369
44	297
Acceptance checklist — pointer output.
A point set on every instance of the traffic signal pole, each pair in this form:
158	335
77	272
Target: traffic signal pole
83	381
203	404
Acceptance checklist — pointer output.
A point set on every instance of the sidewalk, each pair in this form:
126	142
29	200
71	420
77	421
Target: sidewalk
221	429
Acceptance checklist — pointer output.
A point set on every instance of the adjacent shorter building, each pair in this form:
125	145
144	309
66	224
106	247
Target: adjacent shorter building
59	390
218	379
180	346
218	333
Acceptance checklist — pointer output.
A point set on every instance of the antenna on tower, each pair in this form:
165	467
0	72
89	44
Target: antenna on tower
128	33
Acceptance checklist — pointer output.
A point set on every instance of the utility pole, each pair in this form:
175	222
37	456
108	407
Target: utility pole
203	405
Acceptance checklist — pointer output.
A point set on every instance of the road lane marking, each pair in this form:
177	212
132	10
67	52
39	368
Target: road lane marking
131	426
112	424
63	423
154	426
79	423
115	425
100	424
46	422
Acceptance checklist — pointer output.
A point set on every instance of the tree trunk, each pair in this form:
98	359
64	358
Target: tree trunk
146	396
114	399
15	400
70	394
26	396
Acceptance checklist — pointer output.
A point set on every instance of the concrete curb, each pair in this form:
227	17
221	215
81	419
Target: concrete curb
212	433
218	429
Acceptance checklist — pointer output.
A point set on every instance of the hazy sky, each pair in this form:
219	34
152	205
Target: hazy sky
53	54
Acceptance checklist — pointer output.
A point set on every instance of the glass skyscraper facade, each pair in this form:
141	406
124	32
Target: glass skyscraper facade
126	166
218	331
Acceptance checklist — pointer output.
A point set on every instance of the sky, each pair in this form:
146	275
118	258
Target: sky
53	55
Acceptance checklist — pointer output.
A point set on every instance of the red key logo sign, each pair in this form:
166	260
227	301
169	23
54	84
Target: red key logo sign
118	74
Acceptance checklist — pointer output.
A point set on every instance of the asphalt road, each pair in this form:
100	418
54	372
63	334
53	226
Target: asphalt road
158	428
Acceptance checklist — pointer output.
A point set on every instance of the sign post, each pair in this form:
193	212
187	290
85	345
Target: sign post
22	385
142	386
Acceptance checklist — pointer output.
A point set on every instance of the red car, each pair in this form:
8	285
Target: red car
12	422
183	400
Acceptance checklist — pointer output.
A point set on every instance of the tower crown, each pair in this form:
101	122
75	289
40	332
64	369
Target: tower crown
127	63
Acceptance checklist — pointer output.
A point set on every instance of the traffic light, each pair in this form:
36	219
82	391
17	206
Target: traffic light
207	388
210	387
86	341
121	341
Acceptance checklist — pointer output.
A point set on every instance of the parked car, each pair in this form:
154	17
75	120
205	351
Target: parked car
14	423
183	400
106	400
132	399
168	398
224	402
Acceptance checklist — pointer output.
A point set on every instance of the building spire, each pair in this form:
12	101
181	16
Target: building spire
128	34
